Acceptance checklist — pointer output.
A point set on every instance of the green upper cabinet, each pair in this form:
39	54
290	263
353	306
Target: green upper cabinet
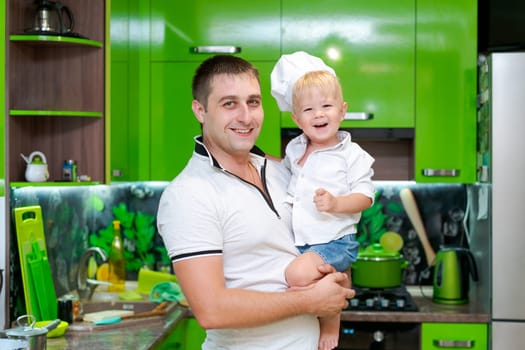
119	36
181	38
156	47
407	64
371	46
187	30
174	126
446	59
130	91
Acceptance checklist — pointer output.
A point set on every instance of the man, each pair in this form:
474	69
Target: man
227	228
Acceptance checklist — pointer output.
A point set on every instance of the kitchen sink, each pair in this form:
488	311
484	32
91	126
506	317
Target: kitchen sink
131	305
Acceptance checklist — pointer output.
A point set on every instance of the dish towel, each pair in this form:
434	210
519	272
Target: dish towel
166	291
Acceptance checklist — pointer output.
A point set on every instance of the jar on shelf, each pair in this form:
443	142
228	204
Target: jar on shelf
69	170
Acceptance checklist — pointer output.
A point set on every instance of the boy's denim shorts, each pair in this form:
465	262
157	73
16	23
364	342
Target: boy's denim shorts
339	253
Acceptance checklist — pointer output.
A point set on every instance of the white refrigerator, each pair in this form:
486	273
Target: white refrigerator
503	166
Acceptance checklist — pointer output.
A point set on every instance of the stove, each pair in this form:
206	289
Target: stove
389	299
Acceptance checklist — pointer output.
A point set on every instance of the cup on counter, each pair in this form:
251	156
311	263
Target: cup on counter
69	308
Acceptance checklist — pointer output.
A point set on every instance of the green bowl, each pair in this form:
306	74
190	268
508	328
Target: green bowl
57	332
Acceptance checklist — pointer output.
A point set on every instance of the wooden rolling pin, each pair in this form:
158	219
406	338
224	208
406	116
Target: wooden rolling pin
409	202
157	311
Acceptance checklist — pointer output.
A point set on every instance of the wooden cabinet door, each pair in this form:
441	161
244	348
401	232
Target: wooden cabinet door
371	46
446	61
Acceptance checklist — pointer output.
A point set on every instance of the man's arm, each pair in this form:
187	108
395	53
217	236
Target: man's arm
215	306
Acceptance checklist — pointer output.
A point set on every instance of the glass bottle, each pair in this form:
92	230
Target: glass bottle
117	261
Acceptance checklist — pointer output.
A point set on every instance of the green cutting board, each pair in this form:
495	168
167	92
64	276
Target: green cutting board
30	229
42	289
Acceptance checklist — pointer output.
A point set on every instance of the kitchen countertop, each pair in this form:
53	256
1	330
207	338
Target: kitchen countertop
140	334
428	311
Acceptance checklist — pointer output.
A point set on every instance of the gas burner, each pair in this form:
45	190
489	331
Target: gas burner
389	299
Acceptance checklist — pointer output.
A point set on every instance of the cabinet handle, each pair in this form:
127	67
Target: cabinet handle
454	343
215	49
440	172
358	116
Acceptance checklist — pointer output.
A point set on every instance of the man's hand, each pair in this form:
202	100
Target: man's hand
329	296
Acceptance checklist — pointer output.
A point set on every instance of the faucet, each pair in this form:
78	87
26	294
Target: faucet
86	286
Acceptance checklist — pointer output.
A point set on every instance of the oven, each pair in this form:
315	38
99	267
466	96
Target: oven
379	336
388	335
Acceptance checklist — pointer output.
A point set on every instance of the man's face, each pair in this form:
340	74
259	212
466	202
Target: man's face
234	117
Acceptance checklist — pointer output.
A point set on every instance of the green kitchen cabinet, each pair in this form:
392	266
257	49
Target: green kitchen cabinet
180	40
472	336
191	30
153	61
446	61
120	105
130	95
125	111
174	126
410	65
187	335
370	45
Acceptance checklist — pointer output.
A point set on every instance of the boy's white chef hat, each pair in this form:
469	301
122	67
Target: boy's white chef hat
287	70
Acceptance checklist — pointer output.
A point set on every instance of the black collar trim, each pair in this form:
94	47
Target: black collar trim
201	149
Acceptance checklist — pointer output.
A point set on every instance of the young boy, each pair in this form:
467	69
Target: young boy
331	181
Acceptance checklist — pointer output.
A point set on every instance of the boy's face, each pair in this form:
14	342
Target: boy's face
319	114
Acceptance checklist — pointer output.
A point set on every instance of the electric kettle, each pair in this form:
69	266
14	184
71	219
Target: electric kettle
452	270
53	18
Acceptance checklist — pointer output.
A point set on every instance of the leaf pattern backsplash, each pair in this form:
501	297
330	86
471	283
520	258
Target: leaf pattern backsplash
77	217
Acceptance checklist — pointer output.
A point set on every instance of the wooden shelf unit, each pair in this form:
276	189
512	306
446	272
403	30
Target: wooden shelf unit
56	95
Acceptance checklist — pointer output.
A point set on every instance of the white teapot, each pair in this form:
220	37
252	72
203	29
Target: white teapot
36	170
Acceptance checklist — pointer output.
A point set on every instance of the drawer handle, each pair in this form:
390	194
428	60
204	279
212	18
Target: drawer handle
358	116
215	49
441	172
454	343
116	172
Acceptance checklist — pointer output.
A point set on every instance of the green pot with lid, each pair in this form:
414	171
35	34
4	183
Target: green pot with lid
376	267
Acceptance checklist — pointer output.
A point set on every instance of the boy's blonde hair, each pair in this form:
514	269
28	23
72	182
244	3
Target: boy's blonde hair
320	79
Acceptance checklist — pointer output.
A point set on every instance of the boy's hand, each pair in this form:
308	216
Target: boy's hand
324	200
